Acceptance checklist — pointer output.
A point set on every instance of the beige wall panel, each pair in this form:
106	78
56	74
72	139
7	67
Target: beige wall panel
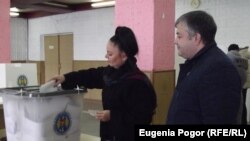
2	124
149	75
78	65
164	84
93	94
40	71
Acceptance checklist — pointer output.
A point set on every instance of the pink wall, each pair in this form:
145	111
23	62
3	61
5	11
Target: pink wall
138	15
5	31
154	32
164	35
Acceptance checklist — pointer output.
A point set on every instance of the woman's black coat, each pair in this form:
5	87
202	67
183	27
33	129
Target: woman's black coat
127	93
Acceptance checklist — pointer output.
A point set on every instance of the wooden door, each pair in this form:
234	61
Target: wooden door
58	54
51	63
66	53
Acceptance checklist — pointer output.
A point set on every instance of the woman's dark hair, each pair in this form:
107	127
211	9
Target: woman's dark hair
125	39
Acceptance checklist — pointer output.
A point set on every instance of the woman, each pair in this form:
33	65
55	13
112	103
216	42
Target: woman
127	94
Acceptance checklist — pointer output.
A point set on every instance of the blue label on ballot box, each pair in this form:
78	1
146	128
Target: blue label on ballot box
62	123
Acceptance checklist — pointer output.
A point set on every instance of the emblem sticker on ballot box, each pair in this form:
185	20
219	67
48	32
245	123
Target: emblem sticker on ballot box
62	123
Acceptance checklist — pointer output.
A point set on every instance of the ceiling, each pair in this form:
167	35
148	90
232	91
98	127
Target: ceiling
40	8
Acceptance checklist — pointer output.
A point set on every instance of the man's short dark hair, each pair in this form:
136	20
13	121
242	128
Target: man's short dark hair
199	22
233	47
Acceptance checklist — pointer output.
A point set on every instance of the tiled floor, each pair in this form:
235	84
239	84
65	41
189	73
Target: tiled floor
89	125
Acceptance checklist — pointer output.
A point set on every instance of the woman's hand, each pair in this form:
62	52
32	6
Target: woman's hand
103	115
58	79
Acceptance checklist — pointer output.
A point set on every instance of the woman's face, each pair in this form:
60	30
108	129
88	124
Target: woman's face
115	56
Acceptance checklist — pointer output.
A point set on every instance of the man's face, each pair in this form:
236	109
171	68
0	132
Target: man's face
185	44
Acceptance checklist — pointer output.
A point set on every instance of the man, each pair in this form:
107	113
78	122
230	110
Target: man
241	65
246	54
208	89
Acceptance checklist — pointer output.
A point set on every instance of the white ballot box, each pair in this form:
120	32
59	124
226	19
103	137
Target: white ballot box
15	75
34	116
18	75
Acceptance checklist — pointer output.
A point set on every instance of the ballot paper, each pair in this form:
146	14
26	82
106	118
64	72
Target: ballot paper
48	87
91	112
